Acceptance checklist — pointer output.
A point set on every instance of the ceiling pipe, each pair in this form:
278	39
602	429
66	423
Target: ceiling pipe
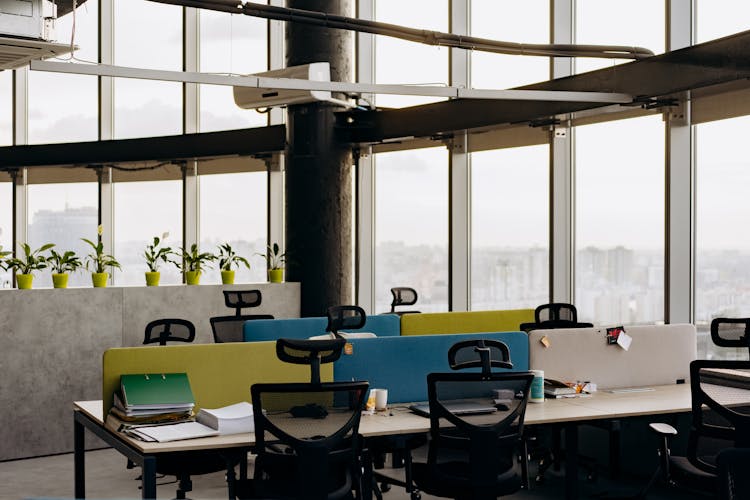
414	35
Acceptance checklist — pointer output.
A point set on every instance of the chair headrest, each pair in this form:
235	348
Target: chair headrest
403	296
238	299
731	332
345	318
308	352
556	311
479	353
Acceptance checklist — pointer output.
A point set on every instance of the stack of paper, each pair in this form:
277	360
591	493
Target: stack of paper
171	432
233	419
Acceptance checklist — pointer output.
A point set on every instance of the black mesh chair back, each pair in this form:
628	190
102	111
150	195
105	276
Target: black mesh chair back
479	353
161	331
731	332
310	352
403	296
554	315
307	441
345	318
472	455
238	299
720	392
231	328
734	481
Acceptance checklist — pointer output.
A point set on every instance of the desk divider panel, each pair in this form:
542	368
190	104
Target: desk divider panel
401	364
465	322
658	355
382	325
220	374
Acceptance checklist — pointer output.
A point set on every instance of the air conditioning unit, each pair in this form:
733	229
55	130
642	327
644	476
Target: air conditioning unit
251	97
33	19
25	28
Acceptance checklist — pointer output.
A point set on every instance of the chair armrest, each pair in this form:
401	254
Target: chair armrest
663	429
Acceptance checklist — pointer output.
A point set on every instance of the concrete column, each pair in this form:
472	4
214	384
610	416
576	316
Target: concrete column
318	172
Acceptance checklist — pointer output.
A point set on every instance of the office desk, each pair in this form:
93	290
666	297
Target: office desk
399	420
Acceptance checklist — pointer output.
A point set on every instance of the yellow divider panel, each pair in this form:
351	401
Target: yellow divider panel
220	374
465	322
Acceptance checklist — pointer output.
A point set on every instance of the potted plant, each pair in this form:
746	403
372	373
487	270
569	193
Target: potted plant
155	255
228	257
275	260
98	262
3	255
31	261
62	264
193	263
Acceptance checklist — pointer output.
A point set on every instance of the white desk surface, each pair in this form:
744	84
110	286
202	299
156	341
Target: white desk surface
400	420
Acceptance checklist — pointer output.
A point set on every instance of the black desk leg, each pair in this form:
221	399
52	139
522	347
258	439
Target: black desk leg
571	461
148	478
79	460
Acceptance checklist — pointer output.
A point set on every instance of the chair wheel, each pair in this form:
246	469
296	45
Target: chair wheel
385	487
416	496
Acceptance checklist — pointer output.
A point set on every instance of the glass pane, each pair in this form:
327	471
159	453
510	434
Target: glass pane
411	224
394	58
719	18
609	22
63	214
509	21
6	108
232	44
233	210
6	226
722	264
144	210
64	108
510	228
619	271
147	35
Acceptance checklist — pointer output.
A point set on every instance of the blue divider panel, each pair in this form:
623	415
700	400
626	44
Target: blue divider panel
384	325
401	364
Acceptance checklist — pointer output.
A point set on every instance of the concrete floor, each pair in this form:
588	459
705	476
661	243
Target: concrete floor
107	478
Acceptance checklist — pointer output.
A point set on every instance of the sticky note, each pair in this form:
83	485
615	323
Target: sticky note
545	341
624	340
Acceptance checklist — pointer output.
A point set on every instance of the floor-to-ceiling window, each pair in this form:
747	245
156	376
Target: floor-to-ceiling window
509	21
64	108
233	210
619	267
411	187
231	44
722	177
147	35
6	108
510	228
411	199
144	209
613	22
722	263
62	214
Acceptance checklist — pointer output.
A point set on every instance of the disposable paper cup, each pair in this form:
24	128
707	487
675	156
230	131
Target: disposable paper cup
537	387
381	399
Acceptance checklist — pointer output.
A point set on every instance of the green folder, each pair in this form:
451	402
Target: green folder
156	391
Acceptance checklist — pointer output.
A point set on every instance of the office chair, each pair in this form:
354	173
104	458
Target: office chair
734	481
345	318
720	419
231	328
473	459
731	332
161	331
554	315
307	440
239	299
403	296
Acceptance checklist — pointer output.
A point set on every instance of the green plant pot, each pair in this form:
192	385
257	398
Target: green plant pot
193	277
99	279
60	280
152	278
275	275
227	277
24	281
